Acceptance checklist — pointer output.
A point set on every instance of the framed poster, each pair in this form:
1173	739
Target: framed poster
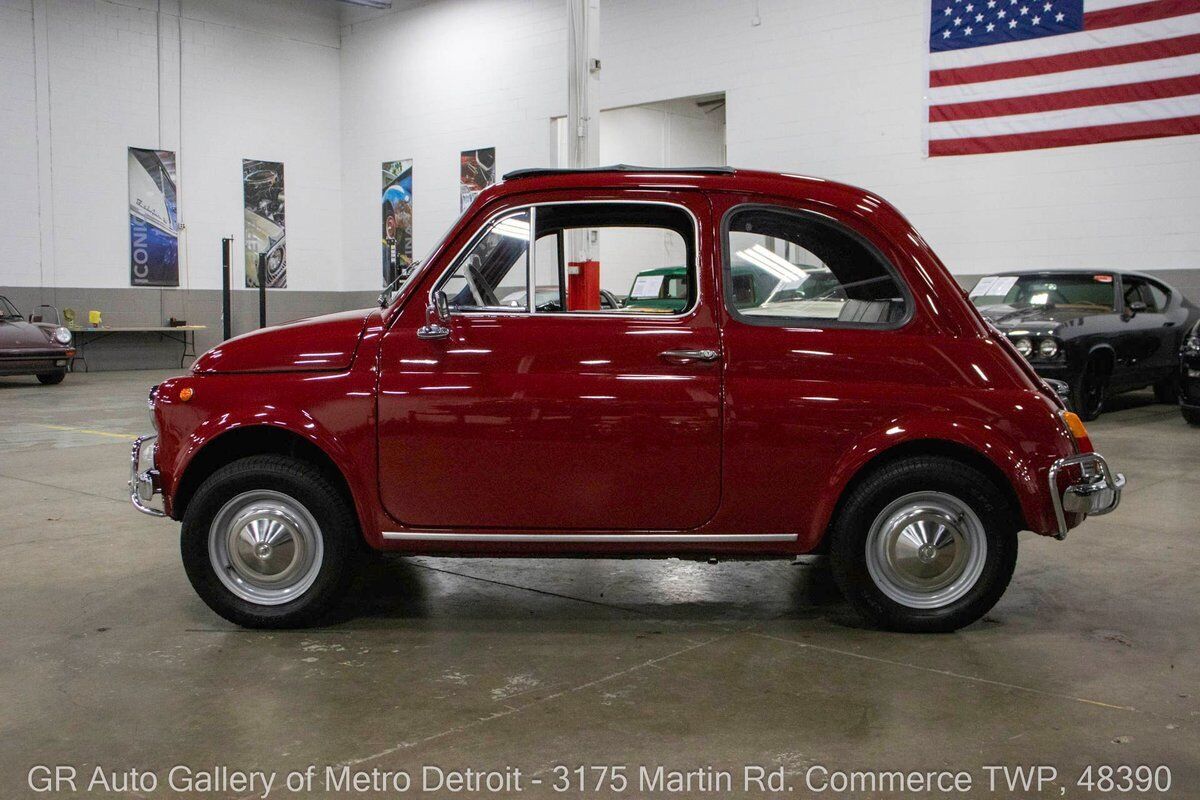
266	246
397	219
477	172
153	218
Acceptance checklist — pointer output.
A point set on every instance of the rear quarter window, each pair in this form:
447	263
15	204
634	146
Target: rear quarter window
788	267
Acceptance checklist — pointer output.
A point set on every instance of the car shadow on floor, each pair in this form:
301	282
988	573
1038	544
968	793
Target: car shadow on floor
474	596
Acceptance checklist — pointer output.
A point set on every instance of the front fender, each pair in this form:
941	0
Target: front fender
332	413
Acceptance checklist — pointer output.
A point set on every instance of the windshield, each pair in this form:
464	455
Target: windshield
1085	290
8	310
405	277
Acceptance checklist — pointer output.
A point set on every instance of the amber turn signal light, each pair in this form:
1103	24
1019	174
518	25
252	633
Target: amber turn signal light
1078	431
186	393
1074	423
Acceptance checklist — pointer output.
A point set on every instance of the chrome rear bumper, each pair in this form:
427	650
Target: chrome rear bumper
1098	490
143	484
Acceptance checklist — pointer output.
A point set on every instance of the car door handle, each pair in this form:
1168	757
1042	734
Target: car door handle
688	356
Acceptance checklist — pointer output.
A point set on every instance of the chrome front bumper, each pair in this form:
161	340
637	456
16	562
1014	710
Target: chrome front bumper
1098	490
143	484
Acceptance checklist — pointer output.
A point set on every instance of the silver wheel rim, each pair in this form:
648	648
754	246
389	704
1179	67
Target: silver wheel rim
926	550
265	547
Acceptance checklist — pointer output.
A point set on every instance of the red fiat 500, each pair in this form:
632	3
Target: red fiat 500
809	378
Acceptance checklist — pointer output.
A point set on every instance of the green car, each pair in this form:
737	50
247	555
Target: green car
666	289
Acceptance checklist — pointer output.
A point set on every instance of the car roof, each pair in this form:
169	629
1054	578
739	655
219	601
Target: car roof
708	178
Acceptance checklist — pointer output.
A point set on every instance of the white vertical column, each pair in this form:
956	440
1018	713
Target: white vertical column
583	99
583	85
45	149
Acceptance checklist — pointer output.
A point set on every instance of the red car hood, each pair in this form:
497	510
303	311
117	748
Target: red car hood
316	344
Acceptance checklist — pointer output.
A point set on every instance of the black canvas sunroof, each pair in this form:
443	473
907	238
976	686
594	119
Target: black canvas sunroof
535	172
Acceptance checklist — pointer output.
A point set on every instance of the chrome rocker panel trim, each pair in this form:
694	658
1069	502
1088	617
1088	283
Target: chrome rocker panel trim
444	536
1098	492
143	484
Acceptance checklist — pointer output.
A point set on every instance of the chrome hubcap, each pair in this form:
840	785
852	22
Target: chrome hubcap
926	550
265	547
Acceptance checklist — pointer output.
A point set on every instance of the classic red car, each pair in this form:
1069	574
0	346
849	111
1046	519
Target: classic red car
881	420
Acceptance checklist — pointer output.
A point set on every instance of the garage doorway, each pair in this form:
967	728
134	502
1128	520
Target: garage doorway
684	132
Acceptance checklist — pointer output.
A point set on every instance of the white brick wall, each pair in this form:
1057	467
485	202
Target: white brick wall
20	260
824	87
259	80
431	81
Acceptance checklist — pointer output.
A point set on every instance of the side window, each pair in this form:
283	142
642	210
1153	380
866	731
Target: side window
491	274
1158	296
782	266
642	258
1140	291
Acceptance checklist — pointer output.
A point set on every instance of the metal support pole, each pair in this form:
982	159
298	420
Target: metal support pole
583	82
262	290
583	100
226	290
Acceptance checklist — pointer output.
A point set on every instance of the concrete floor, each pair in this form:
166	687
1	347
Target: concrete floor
108	658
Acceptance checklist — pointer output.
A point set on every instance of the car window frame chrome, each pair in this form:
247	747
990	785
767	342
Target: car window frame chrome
529	311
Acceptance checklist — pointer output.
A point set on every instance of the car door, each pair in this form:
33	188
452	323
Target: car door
1171	329
541	416
1144	337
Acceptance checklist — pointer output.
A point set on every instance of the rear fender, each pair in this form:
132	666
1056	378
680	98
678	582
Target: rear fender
1024	475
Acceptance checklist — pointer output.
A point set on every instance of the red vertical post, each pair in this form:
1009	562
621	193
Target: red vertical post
583	285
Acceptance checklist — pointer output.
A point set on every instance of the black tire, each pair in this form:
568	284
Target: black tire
1190	415
52	378
851	531
1090	389
1167	390
301	483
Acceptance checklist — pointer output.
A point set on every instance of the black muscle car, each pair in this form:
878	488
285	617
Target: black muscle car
33	347
1189	377
1101	332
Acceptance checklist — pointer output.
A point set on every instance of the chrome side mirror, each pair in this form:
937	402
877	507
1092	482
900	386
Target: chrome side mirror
437	318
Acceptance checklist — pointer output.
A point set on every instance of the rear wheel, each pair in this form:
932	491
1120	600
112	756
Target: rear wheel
51	378
1091	388
267	542
925	544
1191	415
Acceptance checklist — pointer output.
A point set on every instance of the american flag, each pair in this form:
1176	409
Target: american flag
1027	74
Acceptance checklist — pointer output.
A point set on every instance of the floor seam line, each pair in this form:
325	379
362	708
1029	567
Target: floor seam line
530	589
61	488
945	673
540	701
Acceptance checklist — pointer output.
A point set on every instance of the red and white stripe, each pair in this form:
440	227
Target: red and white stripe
1132	73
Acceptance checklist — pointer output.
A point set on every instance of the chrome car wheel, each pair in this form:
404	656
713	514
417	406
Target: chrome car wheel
926	550
265	547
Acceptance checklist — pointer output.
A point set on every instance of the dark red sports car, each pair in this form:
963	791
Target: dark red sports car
43	349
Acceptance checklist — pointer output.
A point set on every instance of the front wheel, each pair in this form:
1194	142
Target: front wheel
267	542
1190	415
926	544
51	378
